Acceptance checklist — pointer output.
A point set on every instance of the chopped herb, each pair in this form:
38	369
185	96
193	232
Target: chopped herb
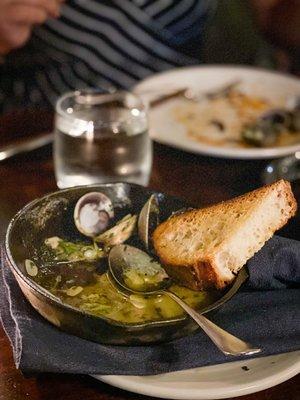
69	251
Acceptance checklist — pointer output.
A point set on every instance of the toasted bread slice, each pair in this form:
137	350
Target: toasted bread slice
206	247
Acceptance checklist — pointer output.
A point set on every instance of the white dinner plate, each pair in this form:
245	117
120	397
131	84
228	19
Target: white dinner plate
214	382
164	129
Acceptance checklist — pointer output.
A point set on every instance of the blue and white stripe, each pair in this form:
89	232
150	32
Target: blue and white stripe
104	43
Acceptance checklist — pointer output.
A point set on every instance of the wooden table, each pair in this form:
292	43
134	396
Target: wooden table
202	180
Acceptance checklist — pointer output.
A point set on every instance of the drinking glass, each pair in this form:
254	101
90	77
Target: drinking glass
101	138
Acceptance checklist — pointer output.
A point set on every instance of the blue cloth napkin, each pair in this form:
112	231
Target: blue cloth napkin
265	312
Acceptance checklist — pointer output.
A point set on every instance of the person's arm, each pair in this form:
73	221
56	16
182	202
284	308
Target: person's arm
279	20
17	18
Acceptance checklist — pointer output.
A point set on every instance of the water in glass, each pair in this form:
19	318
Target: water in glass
106	141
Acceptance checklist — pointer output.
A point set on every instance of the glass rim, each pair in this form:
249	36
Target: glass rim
118	94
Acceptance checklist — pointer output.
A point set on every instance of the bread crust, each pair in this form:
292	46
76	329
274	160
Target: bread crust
196	277
203	273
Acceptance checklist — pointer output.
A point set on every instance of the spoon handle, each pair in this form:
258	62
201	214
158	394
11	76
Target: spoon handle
227	343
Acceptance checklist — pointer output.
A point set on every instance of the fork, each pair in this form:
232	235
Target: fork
186	92
196	96
29	144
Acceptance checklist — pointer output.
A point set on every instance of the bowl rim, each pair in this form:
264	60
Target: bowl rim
239	280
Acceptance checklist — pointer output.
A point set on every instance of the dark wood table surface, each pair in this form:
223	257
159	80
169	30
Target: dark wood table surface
202	180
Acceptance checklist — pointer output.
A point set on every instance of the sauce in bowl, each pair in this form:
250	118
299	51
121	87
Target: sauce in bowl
82	286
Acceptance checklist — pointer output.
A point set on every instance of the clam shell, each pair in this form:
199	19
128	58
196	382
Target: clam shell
148	220
92	213
119	233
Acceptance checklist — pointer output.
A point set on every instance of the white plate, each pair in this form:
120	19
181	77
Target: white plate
164	129
213	382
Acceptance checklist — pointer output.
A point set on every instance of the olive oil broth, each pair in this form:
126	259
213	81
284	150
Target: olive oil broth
82	286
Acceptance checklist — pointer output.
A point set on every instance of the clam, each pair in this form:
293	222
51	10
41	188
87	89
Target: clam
92	213
119	233
265	131
278	118
148	220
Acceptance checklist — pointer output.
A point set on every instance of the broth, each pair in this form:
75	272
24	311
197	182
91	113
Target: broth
82	286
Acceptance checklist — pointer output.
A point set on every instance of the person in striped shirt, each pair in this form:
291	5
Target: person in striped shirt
66	45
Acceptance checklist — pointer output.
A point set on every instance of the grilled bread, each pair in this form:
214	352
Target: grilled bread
206	247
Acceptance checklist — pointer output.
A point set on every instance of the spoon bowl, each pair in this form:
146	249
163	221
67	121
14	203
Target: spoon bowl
136	272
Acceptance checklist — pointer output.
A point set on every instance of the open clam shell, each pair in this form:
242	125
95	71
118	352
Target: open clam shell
148	221
119	233
92	213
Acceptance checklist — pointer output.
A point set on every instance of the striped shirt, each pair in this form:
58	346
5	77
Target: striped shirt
103	44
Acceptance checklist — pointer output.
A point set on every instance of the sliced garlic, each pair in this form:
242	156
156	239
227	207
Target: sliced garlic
31	268
74	291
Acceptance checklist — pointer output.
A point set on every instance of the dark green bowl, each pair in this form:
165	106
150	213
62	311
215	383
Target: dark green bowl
52	215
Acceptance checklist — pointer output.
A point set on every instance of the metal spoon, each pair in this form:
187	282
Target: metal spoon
124	258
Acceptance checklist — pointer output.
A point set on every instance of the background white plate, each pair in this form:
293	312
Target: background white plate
213	382
164	129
